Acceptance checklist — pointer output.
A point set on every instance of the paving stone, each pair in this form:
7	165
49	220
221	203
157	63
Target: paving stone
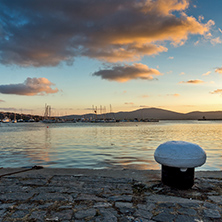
44	206
188	205
85	213
7	205
143	214
212	213
216	199
120	198
186	218
102	205
187	211
19	214
170	199
123	204
38	215
148	206
109	215
90	198
49	189
25	206
211	206
19	196
33	182
164	217
52	197
166	205
2	212
63	215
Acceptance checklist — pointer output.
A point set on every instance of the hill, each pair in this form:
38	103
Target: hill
154	113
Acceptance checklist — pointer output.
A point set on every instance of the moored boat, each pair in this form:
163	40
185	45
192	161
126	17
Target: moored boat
6	120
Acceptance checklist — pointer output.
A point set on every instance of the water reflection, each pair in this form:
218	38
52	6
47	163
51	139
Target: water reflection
122	145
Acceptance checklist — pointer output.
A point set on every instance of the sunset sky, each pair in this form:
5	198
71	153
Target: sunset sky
132	54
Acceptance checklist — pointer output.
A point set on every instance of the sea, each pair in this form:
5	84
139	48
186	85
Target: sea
123	145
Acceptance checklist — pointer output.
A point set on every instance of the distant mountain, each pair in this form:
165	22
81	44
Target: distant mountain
154	113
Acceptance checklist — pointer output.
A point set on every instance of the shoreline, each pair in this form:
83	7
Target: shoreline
56	194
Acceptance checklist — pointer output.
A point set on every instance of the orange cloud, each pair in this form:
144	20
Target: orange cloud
2	101
217	91
130	103
196	81
207	73
219	70
31	87
109	30
175	95
127	72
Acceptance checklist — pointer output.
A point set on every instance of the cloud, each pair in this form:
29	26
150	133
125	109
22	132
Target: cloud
31	87
217	91
197	42
145	96
207	73
220	30
130	103
174	95
127	72
219	70
144	106
2	101
195	81
216	41
45	34
171	57
200	18
182	73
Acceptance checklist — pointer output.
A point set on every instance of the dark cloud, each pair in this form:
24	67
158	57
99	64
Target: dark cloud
31	87
127	72
48	32
193	81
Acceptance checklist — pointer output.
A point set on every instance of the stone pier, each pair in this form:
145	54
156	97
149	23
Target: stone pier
106	195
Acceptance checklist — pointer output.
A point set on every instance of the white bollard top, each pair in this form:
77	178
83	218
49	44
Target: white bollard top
180	154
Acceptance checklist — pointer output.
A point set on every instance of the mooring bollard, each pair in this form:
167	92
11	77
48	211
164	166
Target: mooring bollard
178	160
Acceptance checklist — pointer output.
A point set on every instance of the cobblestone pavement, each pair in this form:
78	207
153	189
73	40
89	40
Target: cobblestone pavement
103	198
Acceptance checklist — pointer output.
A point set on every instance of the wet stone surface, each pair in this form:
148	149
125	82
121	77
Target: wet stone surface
99	198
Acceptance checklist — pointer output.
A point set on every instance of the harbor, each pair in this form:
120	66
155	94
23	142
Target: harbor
40	194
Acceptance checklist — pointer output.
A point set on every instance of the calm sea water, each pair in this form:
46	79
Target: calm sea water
107	145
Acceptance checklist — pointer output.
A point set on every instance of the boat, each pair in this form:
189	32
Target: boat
14	120
47	115
6	120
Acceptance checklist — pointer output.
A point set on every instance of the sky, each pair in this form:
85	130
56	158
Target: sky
130	54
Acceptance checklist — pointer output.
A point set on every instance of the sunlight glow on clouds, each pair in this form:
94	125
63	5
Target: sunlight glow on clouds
195	81
174	95
207	73
219	70
110	30
216	41
31	87
217	91
127	72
